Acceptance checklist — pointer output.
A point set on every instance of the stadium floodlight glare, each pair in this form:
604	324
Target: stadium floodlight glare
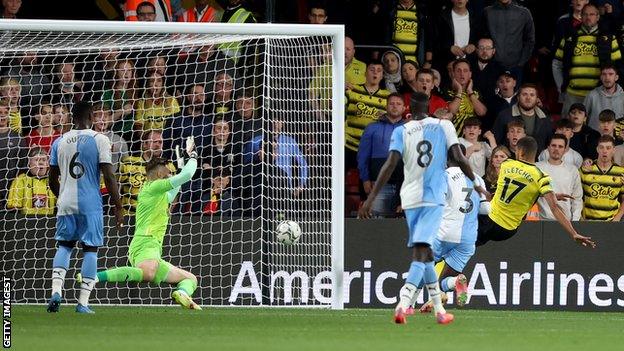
294	75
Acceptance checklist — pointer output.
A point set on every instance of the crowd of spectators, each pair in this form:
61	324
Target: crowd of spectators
498	69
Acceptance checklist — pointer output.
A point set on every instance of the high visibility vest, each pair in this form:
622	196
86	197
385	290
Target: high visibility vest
233	49
190	15
163	10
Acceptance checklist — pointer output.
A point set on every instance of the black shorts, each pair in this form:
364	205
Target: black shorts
489	230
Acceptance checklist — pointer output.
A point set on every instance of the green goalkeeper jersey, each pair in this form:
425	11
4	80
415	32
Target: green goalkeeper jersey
152	211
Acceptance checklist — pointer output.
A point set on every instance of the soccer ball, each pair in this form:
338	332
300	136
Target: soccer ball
288	232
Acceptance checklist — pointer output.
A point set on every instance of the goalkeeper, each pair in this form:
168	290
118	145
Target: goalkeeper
152	217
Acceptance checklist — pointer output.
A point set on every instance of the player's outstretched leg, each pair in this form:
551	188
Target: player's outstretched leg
88	278
186	285
60	264
409	291
431	281
459	284
120	274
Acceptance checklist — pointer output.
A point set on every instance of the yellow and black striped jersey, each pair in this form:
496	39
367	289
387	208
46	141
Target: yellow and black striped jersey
584	75
466	110
405	34
363	108
601	192
131	179
518	187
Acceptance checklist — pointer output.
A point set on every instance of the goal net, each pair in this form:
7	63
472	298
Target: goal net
264	105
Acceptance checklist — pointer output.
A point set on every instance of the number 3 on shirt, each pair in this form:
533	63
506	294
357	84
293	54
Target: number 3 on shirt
519	186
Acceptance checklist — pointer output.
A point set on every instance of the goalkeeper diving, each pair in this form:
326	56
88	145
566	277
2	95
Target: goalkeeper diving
152	217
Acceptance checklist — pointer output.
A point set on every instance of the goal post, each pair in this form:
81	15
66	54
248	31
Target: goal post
151	84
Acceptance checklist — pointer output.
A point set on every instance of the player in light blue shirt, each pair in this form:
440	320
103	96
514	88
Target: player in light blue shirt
76	160
422	144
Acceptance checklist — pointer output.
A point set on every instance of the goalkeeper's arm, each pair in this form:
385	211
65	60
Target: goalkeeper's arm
184	176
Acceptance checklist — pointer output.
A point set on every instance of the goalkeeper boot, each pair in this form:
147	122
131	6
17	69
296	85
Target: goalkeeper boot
461	290
55	303
399	316
182	298
444	318
84	309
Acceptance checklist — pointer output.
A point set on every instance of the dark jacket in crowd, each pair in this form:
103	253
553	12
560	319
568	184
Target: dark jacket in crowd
373	150
541	132
512	29
441	37
585	142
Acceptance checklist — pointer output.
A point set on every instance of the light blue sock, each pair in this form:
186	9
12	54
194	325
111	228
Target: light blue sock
89	265
444	285
430	275
415	274
62	257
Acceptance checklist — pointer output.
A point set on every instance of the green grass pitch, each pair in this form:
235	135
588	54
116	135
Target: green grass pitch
169	328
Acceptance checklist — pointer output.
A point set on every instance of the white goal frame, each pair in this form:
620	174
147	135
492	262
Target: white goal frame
336	32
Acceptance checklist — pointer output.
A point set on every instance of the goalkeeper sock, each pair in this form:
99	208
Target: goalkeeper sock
448	284
431	280
121	274
88	270
60	265
188	286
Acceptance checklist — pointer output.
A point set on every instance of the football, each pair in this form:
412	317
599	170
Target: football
288	232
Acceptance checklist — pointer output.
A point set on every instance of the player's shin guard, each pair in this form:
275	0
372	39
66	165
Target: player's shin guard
60	265
409	290
89	271
431	281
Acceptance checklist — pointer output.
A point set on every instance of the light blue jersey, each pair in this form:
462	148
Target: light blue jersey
423	145
78	154
455	241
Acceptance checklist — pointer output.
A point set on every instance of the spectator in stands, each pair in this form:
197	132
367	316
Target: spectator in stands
486	69
365	104
149	10
424	84
464	98
61	119
499	155
11	144
246	125
453	35
405	27
102	120
10	90
618	155
66	87
607	125
578	55
566	180
569	23
219	200
512	29
392	70
320	87
585	139
34	82
603	185
283	154
222	102
372	155
132	169
505	97
101	68
515	132
201	12
221	153
235	12
477	152
30	192
570	156
156	105
193	121
317	13
120	97
11	8
609	95
354	68
44	134
201	68
536	123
